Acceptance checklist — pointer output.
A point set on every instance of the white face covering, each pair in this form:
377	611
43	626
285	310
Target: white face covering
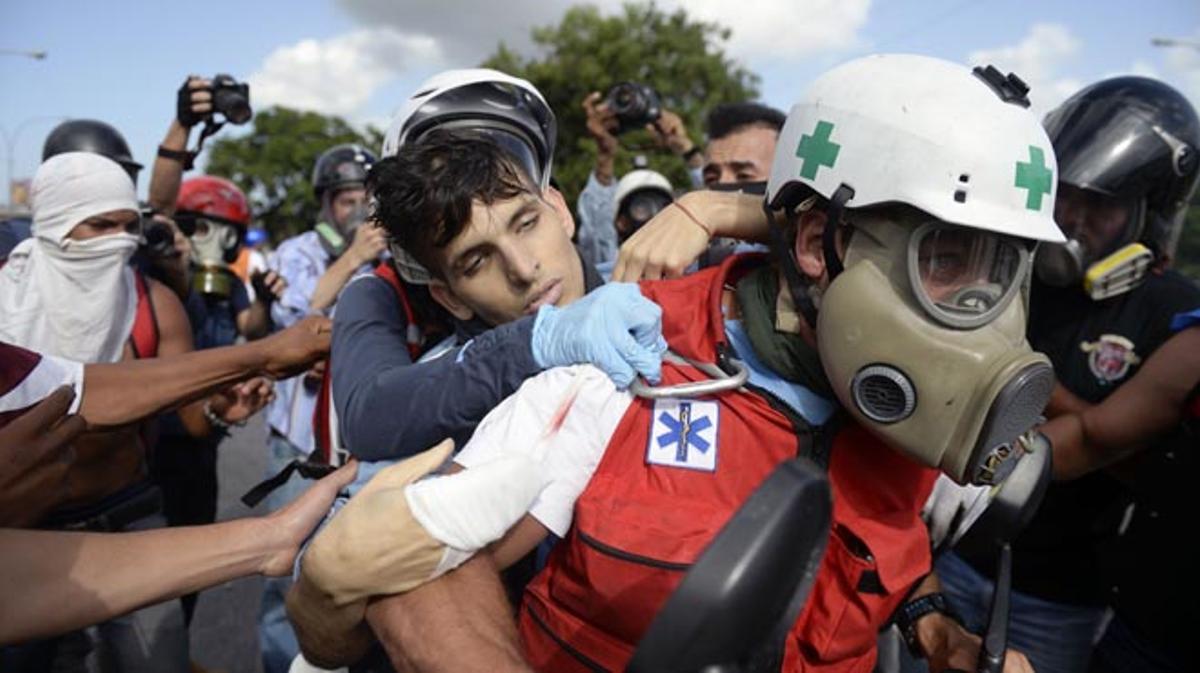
73	299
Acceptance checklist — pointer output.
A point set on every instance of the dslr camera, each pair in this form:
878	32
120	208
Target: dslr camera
634	104
231	98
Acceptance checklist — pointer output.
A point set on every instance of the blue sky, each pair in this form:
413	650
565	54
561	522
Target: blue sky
122	61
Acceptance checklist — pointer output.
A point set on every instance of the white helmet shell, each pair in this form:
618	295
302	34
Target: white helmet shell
924	132
641	178
435	86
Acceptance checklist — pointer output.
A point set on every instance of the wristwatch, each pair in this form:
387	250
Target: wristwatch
687	156
910	612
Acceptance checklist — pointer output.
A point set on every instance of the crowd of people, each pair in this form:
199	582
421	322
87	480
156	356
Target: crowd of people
502	429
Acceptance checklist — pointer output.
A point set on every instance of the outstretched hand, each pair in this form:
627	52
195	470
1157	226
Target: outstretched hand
293	524
295	349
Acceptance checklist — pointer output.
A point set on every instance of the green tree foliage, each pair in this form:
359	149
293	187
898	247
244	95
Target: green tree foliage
1187	255
273	164
680	58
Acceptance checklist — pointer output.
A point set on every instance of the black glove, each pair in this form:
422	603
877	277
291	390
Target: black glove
183	106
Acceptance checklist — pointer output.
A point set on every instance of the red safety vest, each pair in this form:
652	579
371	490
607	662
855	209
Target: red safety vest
323	423
638	526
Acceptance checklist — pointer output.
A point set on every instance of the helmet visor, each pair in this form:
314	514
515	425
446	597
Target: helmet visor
1112	147
511	140
964	277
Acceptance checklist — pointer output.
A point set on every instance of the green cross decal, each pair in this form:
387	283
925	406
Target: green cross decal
1035	177
817	151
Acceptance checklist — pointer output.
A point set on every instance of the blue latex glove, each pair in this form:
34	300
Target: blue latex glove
614	328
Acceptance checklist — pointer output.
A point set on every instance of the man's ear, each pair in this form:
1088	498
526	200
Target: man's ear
556	201
442	294
808	249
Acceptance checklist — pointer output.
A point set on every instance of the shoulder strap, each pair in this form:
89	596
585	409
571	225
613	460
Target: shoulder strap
414	337
323	430
144	336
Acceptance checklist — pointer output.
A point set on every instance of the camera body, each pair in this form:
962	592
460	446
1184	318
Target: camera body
231	98
634	104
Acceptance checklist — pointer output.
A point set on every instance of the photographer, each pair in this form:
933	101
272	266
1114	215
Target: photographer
597	202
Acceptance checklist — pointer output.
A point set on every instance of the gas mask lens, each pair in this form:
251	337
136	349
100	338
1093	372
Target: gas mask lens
643	205
964	277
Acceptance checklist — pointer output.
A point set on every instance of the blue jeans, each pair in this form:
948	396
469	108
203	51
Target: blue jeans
1056	637
276	639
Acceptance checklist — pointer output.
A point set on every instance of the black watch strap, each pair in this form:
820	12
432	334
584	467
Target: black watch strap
687	156
910	612
184	157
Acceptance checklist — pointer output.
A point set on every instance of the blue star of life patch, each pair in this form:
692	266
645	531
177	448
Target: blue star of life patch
683	433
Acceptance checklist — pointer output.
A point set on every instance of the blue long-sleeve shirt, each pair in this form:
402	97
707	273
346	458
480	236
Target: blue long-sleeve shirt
390	407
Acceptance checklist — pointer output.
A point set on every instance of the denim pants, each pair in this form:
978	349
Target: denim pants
1056	637
276	639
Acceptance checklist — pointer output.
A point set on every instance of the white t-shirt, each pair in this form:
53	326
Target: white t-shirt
564	418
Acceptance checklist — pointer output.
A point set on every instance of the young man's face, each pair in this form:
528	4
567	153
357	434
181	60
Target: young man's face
513	257
742	156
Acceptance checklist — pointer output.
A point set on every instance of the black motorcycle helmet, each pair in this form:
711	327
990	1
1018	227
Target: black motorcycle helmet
341	166
1132	138
90	135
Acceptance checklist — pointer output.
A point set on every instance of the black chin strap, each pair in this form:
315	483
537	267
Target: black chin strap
797	285
791	273
833	220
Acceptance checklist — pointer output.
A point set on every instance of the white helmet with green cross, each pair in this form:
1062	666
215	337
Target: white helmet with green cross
959	145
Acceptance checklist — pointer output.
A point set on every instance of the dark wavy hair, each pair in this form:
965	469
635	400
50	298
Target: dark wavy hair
423	194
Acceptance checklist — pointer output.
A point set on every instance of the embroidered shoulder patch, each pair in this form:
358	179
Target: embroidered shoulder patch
683	433
1110	357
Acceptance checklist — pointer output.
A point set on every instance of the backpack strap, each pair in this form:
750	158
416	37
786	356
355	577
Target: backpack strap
414	337
144	337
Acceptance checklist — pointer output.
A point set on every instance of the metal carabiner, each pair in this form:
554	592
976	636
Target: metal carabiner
720	382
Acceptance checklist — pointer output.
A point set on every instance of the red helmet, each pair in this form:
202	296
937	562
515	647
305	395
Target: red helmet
215	197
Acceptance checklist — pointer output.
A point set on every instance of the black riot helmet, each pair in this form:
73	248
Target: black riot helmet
90	135
1132	138
341	166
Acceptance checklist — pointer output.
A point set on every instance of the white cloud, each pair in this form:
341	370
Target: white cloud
783	29
1039	59
469	30
338	75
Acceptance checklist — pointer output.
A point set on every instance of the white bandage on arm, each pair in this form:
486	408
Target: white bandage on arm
562	419
471	509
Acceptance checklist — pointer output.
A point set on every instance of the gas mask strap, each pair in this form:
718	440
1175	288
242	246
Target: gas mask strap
833	220
797	286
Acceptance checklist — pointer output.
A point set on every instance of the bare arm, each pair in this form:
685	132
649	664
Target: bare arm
53	582
1128	420
168	173
670	242
124	392
369	242
460	622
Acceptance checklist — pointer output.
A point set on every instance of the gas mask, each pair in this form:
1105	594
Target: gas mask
214	247
337	239
924	344
1101	252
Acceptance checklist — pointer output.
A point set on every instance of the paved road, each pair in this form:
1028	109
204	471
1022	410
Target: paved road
224	634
